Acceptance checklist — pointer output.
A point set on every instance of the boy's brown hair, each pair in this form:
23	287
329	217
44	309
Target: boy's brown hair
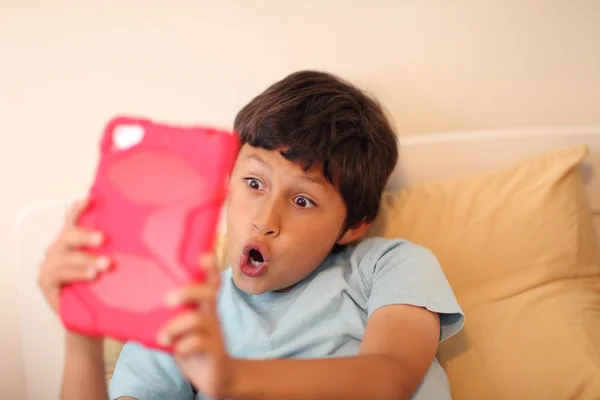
315	118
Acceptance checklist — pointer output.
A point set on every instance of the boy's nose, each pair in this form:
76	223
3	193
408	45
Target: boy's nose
267	219
265	230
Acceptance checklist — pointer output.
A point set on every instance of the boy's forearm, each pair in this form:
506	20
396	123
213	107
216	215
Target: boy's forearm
360	377
83	376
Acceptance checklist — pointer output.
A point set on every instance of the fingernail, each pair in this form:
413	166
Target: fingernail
172	299
91	273
163	339
96	239
102	263
206	260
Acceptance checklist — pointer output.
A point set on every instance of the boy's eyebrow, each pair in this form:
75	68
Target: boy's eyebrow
319	180
257	158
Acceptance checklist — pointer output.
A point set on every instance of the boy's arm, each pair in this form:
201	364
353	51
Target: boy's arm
83	376
398	347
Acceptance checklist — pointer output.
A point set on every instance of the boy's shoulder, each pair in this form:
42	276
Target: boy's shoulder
398	271
394	261
379	250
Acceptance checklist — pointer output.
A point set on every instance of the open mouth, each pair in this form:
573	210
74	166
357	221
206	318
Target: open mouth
256	258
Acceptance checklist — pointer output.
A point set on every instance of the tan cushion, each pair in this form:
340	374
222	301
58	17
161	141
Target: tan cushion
112	349
518	248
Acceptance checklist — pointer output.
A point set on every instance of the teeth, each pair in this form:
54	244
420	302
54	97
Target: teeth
255	263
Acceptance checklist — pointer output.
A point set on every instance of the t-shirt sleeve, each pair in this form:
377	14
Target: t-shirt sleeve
146	374
401	272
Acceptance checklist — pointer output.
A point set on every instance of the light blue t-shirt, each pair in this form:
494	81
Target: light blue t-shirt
323	316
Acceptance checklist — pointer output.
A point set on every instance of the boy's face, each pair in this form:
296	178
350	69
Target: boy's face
281	221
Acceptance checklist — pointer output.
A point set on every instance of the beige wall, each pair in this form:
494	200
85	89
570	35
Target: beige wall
67	66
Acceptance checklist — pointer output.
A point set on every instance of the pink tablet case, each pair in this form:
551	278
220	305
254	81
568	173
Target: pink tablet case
157	197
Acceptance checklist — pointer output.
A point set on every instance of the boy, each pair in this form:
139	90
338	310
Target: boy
301	314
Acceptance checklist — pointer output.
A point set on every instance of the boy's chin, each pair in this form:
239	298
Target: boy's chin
249	285
255	286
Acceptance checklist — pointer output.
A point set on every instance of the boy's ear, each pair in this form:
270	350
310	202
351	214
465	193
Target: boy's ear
353	233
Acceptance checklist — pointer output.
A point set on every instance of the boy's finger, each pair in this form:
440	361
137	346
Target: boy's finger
196	293
75	211
63	268
208	261
210	265
79	259
192	344
214	278
190	321
76	237
76	273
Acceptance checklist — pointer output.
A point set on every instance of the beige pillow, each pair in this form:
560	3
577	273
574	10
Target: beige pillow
112	349
518	248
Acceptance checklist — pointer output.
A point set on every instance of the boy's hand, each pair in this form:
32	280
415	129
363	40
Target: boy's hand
65	262
196	337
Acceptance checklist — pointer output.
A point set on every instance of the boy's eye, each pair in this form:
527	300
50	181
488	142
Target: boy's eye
254	183
304	202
